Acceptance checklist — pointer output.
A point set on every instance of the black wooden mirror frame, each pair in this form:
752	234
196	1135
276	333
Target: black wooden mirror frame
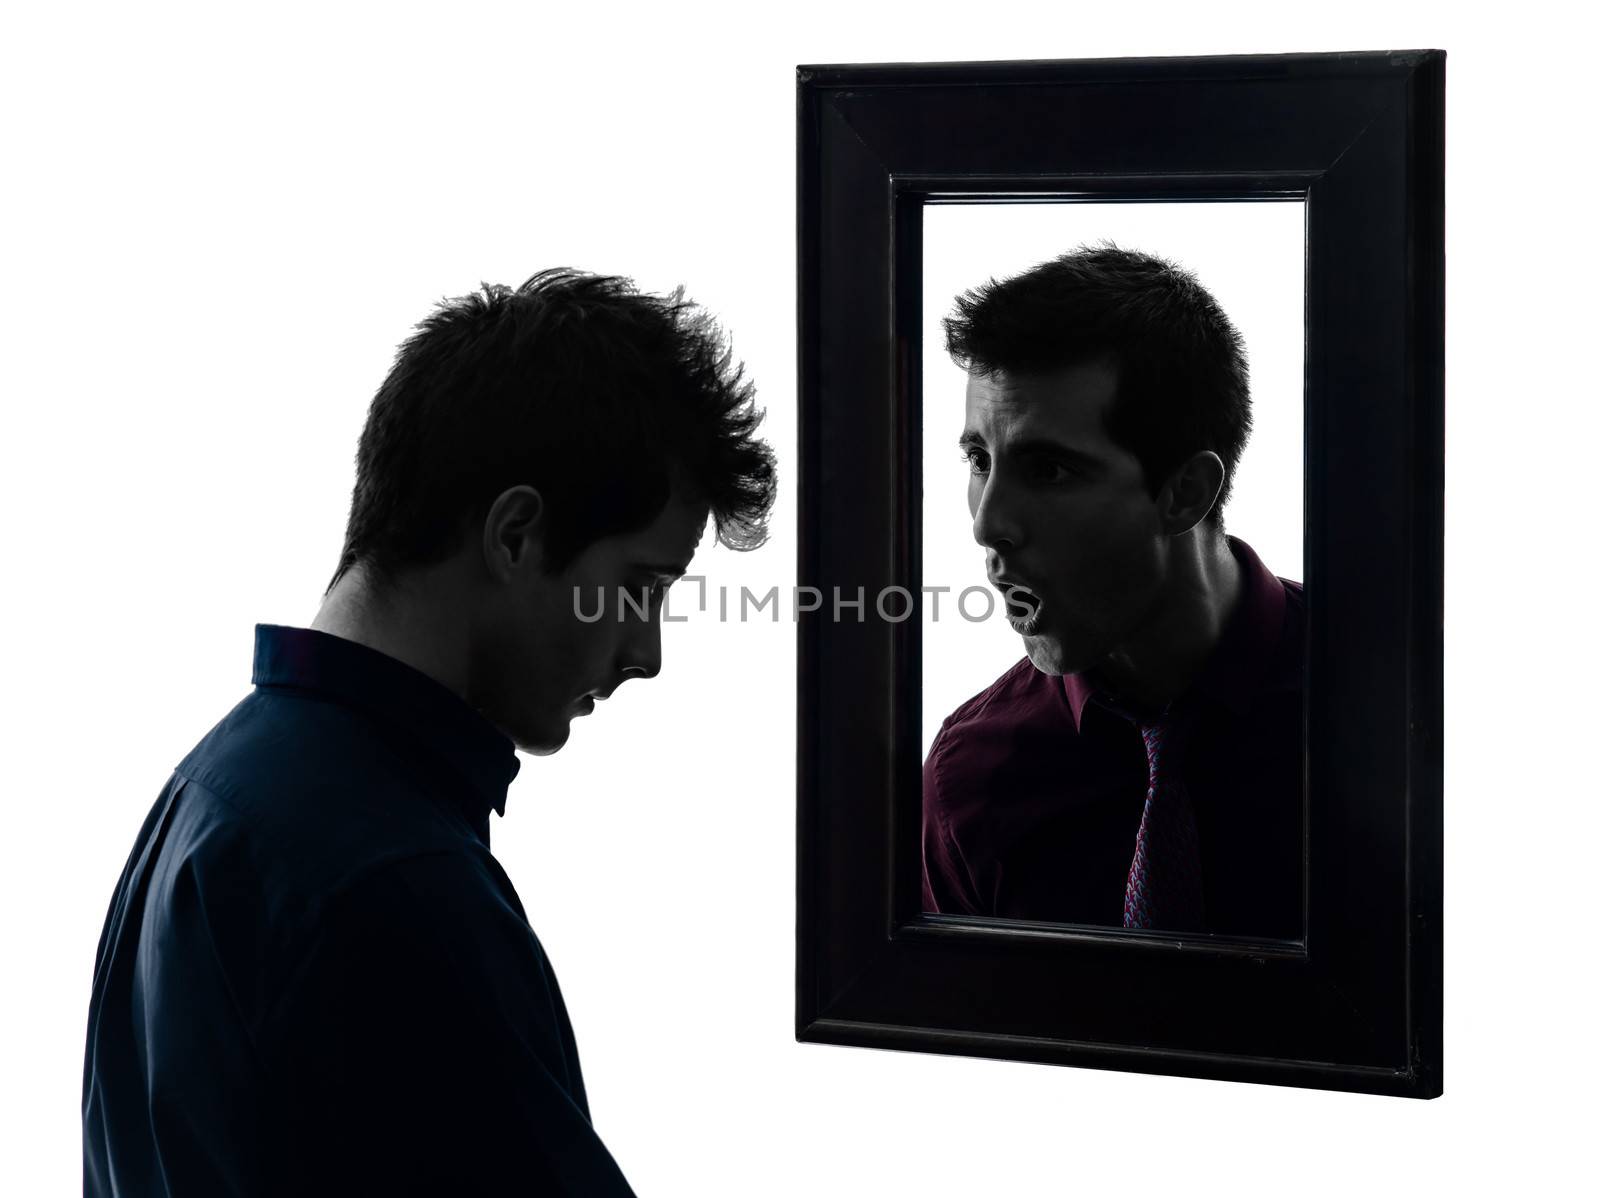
1356	1004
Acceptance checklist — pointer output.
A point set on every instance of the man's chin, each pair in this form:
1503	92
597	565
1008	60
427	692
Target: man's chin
544	741
1050	656
1044	653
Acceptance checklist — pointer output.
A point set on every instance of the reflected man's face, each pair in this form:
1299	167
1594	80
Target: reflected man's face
1062	511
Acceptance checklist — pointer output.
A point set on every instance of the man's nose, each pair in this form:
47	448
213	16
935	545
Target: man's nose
641	652
997	521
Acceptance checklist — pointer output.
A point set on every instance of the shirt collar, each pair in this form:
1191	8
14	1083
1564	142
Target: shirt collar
1243	652
427	711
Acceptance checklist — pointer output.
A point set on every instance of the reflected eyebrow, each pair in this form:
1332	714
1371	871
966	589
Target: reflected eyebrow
1038	446
1045	446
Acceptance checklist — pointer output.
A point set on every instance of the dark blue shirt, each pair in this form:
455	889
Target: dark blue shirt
314	978
1033	789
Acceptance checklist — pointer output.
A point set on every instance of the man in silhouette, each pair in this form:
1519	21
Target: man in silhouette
314	977
1141	766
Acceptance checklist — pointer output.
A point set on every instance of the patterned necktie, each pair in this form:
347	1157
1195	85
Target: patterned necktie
1163	889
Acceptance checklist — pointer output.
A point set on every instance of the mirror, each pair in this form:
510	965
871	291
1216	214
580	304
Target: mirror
1136	762
1301	944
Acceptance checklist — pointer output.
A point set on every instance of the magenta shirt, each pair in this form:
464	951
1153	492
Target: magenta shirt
1033	788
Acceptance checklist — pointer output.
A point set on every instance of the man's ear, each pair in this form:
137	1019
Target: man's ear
1191	492
513	534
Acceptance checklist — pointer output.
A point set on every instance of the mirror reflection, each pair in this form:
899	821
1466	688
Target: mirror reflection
1113	621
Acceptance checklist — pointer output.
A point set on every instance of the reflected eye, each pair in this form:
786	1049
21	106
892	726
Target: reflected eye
1045	470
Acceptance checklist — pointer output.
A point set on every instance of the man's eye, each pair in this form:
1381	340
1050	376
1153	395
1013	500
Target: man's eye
1053	472
977	461
654	592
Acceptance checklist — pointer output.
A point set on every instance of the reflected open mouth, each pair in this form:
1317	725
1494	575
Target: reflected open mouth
1022	605
1027	620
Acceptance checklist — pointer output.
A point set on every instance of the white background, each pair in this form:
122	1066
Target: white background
218	224
1249	256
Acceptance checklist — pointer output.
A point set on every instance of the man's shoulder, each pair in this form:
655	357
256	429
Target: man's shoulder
1021	707
1017	692
1007	743
1286	672
280	733
302	797
259	891
284	756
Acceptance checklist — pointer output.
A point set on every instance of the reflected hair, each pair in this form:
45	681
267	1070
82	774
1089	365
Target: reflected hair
1183	382
599	397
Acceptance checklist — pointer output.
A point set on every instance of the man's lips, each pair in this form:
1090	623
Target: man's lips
1022	601
585	702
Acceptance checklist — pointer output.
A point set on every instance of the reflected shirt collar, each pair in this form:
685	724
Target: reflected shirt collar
1243	652
428	712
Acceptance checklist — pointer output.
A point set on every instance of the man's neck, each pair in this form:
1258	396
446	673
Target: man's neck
1204	587
399	620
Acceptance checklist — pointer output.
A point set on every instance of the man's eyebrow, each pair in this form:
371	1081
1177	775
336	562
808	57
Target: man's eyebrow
1035	445
1044	445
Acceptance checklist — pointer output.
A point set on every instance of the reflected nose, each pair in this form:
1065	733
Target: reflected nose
996	521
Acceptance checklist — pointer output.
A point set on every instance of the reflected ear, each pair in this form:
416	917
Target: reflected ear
1191	492
514	532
